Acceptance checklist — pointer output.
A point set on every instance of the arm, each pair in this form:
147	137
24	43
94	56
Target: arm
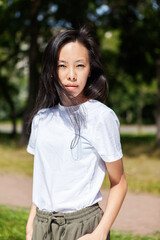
29	227
118	189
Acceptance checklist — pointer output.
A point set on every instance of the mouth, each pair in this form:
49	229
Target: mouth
71	87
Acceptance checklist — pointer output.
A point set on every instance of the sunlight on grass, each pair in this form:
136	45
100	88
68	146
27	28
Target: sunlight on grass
15	160
13	223
117	235
142	174
141	164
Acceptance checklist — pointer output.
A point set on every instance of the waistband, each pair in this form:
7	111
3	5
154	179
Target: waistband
62	218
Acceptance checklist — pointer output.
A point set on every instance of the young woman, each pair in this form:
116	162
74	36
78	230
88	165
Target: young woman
74	139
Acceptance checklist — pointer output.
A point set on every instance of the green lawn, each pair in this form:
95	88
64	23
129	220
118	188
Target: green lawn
15	160
13	222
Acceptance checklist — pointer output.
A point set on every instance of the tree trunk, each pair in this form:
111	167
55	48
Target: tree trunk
13	119
158	104
9	100
33	67
139	110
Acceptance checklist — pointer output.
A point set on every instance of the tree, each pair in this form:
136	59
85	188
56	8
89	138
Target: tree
158	103
32	25
139	26
8	59
34	28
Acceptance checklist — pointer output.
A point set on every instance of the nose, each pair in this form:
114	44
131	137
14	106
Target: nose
71	74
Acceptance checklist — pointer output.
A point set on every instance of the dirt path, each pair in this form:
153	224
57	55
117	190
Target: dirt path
7	127
140	214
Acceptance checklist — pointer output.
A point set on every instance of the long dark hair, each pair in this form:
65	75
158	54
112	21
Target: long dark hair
51	92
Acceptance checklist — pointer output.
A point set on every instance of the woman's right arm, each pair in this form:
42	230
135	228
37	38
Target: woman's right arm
29	227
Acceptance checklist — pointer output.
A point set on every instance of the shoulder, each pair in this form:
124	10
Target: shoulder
42	115
101	111
43	111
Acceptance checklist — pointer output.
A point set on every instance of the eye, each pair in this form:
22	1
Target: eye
61	66
80	66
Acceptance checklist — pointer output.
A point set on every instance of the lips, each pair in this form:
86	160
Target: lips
71	87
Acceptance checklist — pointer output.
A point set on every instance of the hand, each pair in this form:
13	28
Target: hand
86	237
93	236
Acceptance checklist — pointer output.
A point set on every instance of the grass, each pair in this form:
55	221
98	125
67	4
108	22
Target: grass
14	159
141	161
13	223
142	174
117	235
8	122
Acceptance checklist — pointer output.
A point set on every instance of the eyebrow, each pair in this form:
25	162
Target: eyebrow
62	61
79	60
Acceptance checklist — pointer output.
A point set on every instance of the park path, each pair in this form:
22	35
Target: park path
150	129
140	213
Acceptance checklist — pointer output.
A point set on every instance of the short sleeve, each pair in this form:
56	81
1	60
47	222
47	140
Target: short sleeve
106	138
33	136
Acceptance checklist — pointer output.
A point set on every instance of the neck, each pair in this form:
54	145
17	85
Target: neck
74	101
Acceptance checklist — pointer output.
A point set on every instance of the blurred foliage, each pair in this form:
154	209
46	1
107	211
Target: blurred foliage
128	35
133	28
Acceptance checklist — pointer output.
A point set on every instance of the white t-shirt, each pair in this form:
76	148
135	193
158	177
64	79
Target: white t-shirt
65	179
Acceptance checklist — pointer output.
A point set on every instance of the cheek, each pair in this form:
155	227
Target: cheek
60	76
84	76
83	82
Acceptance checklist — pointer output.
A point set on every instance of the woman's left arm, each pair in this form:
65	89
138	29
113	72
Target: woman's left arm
118	189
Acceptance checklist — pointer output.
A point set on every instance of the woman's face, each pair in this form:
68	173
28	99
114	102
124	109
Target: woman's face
74	68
